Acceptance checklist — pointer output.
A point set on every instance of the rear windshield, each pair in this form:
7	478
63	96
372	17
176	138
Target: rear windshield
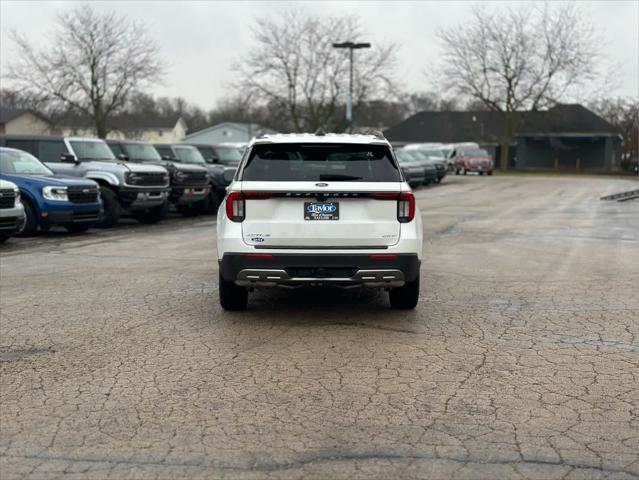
320	162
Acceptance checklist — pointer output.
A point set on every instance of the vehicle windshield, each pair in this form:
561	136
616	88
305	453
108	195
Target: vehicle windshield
188	155
475	152
297	162
21	163
406	156
418	155
141	151
91	150
228	155
433	153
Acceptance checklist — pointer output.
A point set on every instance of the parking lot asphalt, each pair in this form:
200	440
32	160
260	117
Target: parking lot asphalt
521	360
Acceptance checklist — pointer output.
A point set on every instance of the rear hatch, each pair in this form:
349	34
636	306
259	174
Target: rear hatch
320	196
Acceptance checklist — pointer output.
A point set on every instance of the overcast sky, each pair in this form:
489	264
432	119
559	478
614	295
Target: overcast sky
200	40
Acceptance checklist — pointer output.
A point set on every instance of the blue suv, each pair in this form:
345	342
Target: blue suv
49	199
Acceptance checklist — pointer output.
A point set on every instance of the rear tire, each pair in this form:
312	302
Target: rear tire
31	221
464	171
481	173
152	215
457	171
406	296
490	173
232	297
111	208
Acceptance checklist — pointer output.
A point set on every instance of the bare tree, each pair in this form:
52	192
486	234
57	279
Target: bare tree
523	58
294	67
624	114
92	65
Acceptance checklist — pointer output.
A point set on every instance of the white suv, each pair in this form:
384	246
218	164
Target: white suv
324	209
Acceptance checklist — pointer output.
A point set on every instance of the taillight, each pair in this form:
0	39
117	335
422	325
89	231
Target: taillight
406	207
405	203
235	206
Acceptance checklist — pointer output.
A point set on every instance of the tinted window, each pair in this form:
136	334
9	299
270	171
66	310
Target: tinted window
30	146
320	162
164	151
207	152
141	151
115	148
51	150
228	155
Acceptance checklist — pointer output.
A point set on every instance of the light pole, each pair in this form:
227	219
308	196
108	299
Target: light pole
349	102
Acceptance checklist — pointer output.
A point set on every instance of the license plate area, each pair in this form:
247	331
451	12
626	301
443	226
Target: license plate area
321	211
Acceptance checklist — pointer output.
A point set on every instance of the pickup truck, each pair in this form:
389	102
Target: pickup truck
189	183
221	162
141	190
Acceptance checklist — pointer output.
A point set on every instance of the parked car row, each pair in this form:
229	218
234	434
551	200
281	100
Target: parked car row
460	158
421	166
80	182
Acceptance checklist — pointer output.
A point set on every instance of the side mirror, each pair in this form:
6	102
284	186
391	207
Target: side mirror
69	158
214	160
166	157
122	156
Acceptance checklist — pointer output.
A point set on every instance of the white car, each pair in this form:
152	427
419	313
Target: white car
319	209
12	215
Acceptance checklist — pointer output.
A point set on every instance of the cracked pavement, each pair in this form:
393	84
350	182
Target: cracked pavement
521	360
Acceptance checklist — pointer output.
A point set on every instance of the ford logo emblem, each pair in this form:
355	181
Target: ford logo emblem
321	184
321	208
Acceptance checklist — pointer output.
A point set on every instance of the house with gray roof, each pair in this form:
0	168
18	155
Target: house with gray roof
25	122
565	137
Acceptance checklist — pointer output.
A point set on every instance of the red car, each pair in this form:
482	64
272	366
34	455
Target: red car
472	160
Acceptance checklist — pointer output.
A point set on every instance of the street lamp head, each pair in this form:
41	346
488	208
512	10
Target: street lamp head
343	45
351	45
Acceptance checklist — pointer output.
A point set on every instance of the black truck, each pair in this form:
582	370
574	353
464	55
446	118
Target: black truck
189	183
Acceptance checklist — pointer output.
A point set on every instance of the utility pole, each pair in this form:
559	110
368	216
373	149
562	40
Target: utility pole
349	101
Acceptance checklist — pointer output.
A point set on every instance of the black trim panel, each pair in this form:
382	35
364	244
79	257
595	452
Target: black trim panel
232	263
322	247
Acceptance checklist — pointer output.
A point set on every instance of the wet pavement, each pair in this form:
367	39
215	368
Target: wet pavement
521	360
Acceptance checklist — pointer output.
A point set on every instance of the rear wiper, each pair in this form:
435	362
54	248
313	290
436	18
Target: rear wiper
337	177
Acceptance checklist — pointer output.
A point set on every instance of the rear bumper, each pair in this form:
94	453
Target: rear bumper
376	270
